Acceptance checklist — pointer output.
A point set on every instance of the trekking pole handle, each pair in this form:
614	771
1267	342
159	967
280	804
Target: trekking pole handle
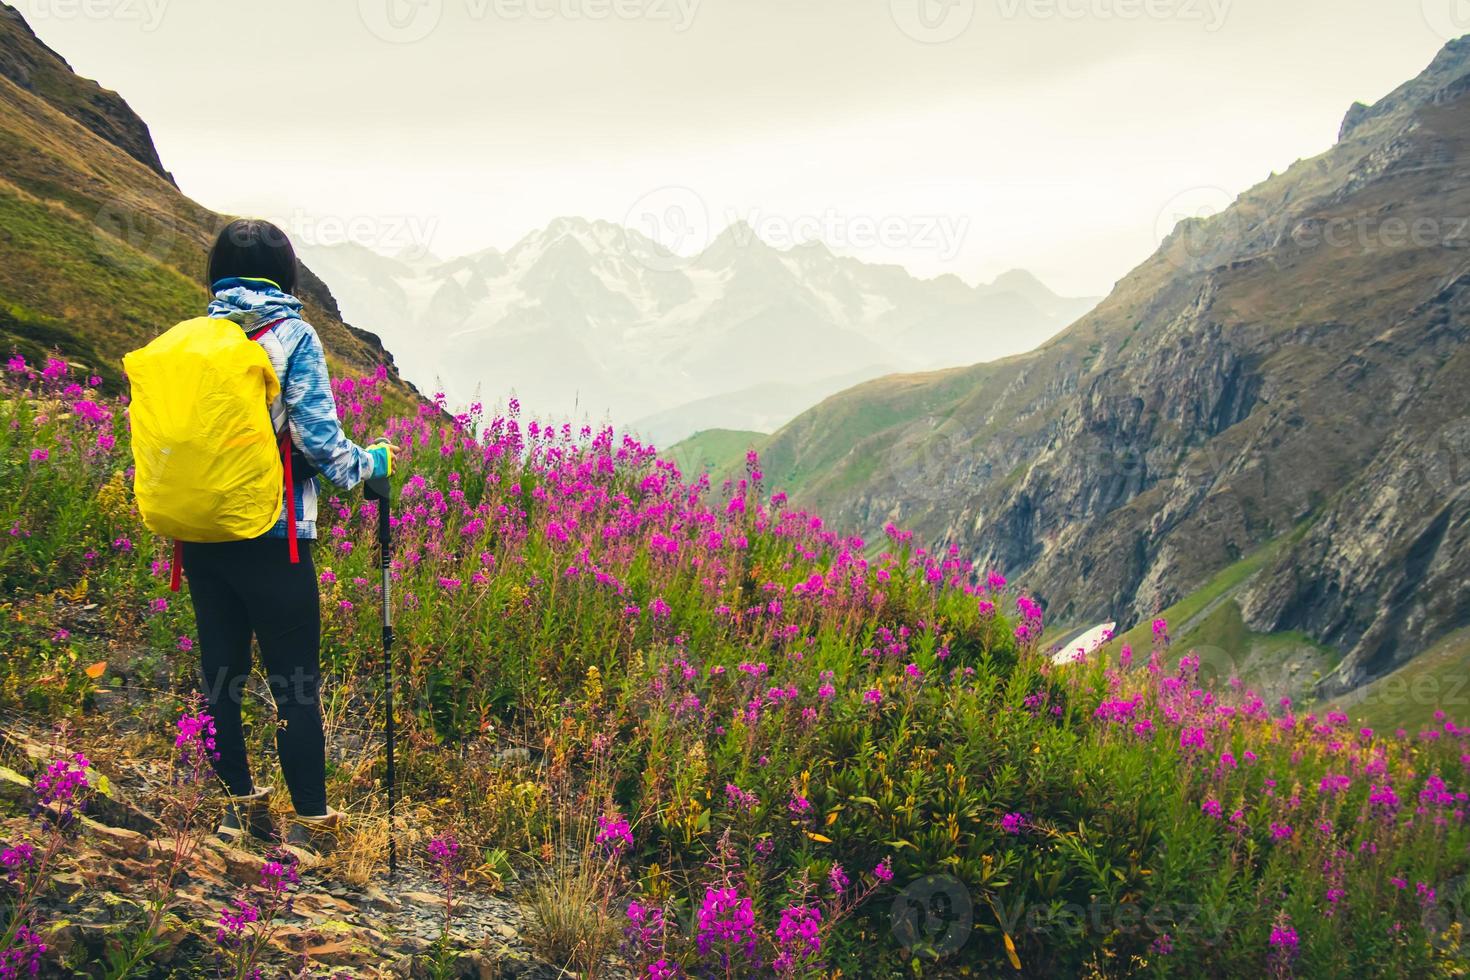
379	489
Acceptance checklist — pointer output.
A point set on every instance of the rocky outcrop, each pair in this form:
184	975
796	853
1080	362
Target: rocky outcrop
29	63
1386	570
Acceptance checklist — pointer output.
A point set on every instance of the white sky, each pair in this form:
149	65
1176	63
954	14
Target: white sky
1053	135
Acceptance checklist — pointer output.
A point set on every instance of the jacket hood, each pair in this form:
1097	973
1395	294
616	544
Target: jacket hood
252	303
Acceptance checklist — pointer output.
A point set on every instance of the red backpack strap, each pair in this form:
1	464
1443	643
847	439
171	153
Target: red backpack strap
176	567
266	329
290	496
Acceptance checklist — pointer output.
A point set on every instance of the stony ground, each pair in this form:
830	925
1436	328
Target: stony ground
381	928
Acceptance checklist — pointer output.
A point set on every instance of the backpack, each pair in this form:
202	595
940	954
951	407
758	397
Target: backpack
208	465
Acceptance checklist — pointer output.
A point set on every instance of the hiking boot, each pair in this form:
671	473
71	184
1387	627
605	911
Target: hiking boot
250	814
314	835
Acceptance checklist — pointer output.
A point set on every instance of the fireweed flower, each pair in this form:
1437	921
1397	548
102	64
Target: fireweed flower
1192	740
739	799
234	919
837	878
1013	823
58	786
195	743
798	937
1284	941
277	877
23	958
725	919
613	834
444	851
1383	800
17	860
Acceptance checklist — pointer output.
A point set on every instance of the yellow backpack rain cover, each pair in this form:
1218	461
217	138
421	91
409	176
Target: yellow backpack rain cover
207	466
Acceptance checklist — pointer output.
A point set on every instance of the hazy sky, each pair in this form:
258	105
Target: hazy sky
965	136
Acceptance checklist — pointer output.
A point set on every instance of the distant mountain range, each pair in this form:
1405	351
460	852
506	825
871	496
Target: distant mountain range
587	318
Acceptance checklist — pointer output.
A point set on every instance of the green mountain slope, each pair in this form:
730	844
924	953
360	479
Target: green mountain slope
718	452
99	250
1301	353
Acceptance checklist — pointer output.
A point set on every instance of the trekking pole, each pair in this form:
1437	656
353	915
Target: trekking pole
378	489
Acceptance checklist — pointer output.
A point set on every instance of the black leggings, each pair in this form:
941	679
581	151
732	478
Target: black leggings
245	587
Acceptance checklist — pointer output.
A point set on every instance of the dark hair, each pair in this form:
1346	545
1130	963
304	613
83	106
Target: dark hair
249	248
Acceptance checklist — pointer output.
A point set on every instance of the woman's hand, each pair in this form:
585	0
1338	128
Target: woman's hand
384	454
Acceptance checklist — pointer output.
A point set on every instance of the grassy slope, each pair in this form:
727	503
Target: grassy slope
717	452
1436	680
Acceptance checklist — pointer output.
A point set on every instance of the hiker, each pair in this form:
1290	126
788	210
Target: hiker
266	585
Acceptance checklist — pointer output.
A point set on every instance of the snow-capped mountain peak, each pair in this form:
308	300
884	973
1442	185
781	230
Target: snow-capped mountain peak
589	317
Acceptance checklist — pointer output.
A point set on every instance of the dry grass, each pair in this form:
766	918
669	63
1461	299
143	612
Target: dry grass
574	924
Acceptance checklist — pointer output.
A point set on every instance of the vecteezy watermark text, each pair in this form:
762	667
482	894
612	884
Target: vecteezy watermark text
939	21
390	234
1210	13
674	224
942	234
407	21
148	14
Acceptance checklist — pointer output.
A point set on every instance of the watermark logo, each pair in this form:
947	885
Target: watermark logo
932	21
1447	18
1217	667
401	21
1193	240
1446	920
934	914
670	225
929	471
147	14
118	224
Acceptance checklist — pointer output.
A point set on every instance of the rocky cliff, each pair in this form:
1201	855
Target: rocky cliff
32	66
1296	364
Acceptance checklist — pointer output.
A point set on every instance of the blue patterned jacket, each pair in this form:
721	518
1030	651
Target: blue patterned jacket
305	401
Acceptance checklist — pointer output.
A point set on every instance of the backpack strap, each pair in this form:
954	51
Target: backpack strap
286	455
290	496
175	573
266	329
